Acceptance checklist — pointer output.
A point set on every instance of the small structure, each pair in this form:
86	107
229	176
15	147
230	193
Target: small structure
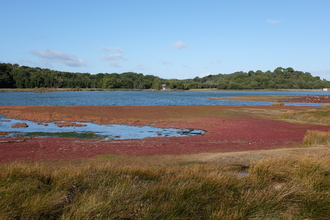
165	88
326	89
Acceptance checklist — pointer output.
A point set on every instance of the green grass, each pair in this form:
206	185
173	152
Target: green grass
283	188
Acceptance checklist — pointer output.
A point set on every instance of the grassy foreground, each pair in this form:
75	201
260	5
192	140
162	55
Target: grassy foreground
282	188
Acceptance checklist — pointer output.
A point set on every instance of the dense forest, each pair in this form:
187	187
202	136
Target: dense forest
15	76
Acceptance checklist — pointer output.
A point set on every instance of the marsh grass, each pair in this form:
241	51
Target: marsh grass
282	188
278	104
320	115
314	137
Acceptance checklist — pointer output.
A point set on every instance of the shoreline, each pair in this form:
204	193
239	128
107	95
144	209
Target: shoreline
42	90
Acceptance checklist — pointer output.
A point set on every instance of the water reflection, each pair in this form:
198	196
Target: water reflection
140	98
90	130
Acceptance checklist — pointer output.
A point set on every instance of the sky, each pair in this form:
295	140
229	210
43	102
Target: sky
167	38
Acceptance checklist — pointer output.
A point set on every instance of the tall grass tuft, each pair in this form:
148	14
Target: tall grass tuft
326	106
282	188
319	115
278	104
314	137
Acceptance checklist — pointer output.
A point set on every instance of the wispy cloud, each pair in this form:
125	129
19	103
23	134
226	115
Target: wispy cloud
67	59
272	21
110	49
112	59
166	63
216	62
141	67
40	36
44	63
179	45
26	60
117	56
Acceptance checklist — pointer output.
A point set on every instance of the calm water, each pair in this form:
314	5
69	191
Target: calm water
107	132
123	98
137	98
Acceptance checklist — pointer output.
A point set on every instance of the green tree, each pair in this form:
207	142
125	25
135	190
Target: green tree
6	81
111	83
156	84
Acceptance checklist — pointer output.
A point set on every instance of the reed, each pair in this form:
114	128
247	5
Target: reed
278	188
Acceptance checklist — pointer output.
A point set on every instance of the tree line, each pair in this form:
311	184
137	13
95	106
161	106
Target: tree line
15	76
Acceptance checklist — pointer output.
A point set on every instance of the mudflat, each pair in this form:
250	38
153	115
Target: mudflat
228	129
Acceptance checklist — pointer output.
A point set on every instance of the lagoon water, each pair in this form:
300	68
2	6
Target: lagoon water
124	98
139	98
107	132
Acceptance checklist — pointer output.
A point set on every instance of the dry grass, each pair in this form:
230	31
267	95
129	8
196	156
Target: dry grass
317	138
282	188
278	104
318	115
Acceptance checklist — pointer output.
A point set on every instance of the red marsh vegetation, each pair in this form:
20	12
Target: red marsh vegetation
20	125
228	128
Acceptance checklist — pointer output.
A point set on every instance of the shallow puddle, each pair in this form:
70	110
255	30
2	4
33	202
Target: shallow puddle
89	130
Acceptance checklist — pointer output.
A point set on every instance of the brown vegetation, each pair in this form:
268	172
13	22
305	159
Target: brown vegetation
111	188
68	124
278	104
312	115
20	125
317	138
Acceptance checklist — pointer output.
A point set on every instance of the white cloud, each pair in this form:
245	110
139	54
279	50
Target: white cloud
67	59
26	60
117	56
272	21
179	45
108	49
112	59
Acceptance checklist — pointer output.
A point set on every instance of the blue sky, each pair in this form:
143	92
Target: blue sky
166	38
